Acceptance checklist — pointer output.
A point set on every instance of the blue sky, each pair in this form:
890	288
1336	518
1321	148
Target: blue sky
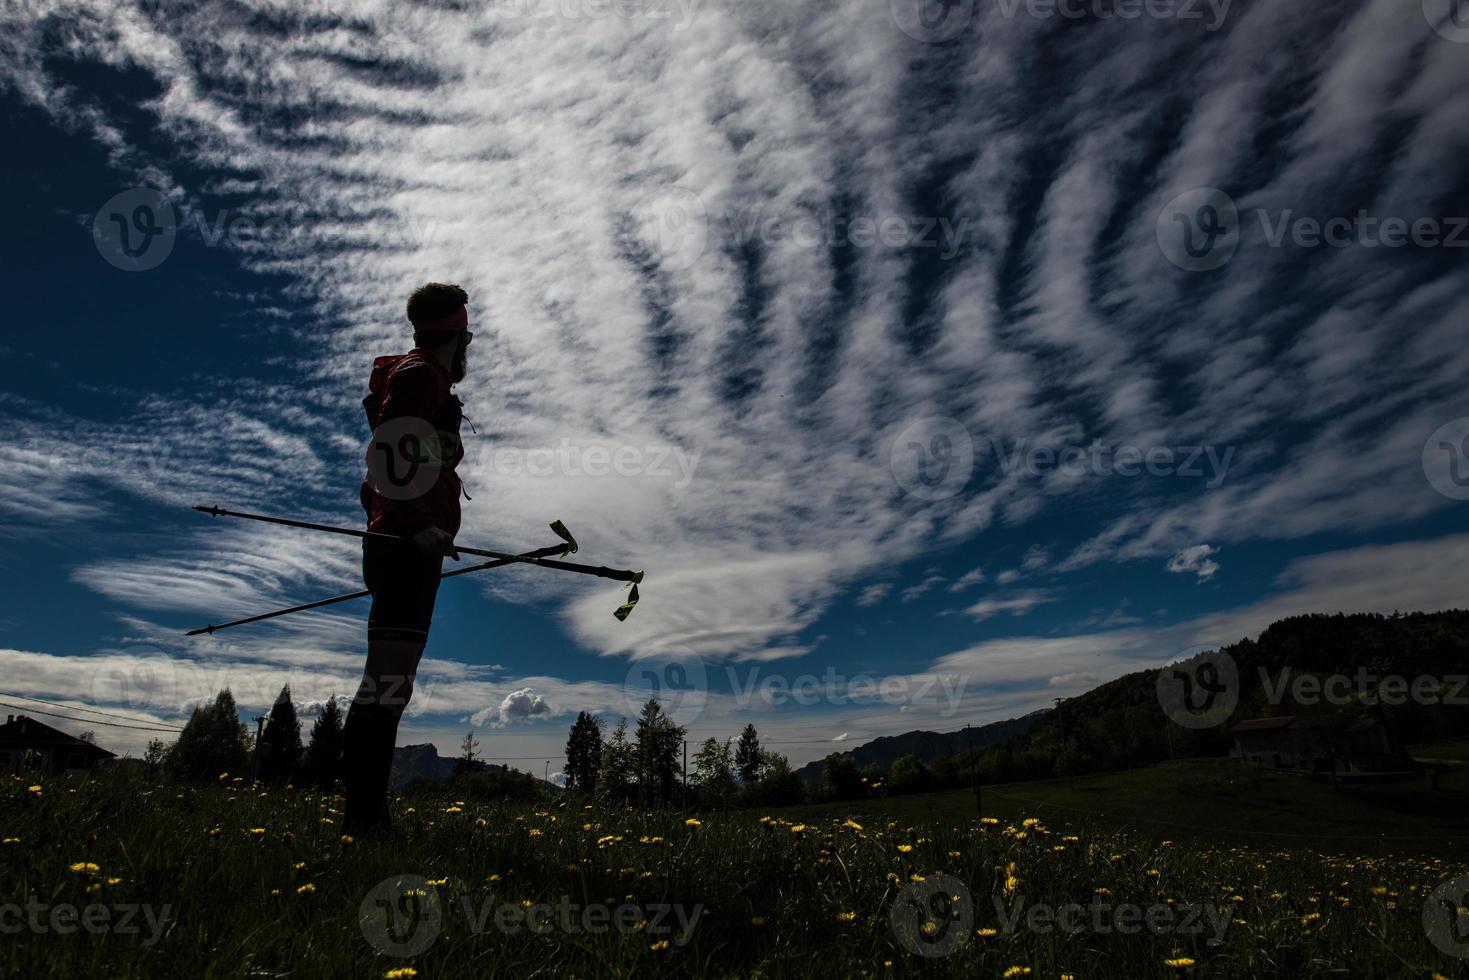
823	276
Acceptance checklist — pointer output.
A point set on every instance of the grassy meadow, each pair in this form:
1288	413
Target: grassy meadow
235	880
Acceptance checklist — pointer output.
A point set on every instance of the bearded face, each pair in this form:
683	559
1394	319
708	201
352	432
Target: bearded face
461	359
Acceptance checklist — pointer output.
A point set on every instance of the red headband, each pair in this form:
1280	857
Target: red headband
456	322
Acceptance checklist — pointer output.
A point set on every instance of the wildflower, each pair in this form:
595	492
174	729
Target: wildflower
347	840
988	821
659	946
852	825
401	973
454	809
1179	962
257	831
846	916
11	840
799	828
1016	971
34	789
215	832
85	867
905	848
306	889
986	933
692	824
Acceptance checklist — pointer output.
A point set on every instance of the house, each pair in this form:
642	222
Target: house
51	750
1356	745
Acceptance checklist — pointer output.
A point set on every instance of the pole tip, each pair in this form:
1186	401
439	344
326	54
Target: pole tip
214	511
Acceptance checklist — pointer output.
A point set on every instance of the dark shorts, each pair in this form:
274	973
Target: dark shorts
404	583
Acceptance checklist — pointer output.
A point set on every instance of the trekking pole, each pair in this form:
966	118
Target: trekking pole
559	549
601	571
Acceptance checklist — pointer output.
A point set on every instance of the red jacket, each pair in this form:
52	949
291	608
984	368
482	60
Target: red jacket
414	386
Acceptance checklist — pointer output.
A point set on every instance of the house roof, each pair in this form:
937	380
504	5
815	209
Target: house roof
24	732
1264	724
1287	721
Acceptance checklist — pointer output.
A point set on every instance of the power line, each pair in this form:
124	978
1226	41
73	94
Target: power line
57	704
89	721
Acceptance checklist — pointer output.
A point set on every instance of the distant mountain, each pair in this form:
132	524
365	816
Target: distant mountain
422	763
928	746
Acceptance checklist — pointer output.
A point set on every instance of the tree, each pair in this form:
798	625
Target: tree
469	760
618	764
747	756
840	779
155	755
280	743
583	753
658	741
88	736
779	785
212	743
714	771
909	775
324	751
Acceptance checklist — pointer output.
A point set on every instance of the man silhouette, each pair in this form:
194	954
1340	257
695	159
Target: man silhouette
412	491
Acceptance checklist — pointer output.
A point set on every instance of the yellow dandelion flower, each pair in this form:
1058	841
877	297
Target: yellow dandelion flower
691	823
306	889
905	848
846	916
659	946
986	933
11	840
85	867
400	973
1179	962
34	789
852	824
1017	971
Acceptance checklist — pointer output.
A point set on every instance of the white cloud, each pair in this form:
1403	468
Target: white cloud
517	706
1195	559
874	593
1017	604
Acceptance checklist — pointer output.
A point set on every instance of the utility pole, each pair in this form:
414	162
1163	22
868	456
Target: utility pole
974	773
259	734
686	775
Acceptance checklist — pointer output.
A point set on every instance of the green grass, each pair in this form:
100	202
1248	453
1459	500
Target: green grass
259	883
1219	802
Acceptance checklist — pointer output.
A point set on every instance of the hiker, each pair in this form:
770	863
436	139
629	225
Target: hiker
412	491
